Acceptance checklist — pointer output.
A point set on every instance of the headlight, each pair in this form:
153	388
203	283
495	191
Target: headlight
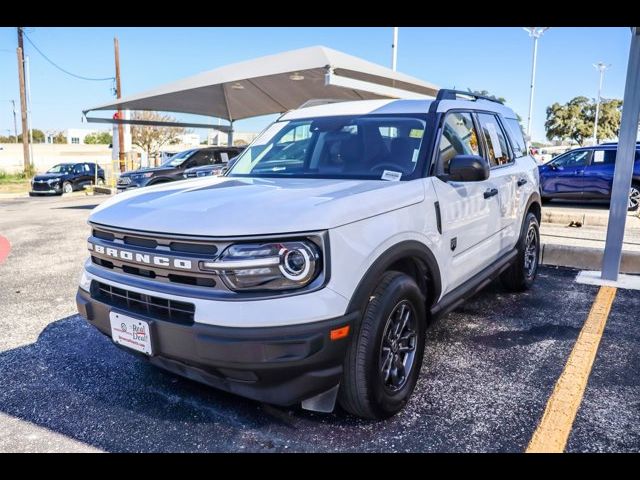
268	266
53	180
143	175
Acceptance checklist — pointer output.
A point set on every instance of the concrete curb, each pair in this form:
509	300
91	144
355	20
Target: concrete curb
104	190
585	258
566	218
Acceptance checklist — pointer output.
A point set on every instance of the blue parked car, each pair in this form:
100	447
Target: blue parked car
586	174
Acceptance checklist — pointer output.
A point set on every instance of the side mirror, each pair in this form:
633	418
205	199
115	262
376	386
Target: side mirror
468	168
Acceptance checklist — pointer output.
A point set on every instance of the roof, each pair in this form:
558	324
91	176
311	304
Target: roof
387	106
275	84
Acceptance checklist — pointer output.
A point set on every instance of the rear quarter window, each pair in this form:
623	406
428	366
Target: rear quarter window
517	138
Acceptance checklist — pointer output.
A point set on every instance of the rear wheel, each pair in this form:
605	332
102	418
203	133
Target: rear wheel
522	273
100	182
384	358
634	197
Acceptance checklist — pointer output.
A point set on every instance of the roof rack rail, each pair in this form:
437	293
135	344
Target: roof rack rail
448	94
319	101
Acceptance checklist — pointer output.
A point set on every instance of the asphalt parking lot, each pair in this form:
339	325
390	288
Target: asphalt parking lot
488	370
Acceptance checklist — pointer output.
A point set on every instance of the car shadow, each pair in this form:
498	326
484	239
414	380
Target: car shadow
77	207
74	381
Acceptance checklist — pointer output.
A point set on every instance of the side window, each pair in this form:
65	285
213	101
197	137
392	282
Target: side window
77	168
573	159
201	158
603	157
87	168
497	148
516	136
459	137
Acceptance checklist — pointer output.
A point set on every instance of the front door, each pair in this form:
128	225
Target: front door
470	214
564	176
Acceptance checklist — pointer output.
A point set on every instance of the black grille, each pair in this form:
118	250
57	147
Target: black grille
153	307
41	187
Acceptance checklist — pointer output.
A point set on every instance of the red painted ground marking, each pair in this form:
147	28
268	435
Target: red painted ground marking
5	246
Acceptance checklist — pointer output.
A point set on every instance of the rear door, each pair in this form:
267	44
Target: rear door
470	219
598	174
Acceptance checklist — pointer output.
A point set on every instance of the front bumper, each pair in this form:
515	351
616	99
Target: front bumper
279	365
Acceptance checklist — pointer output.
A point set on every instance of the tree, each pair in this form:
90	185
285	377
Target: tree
98	138
38	136
574	120
152	138
59	137
485	93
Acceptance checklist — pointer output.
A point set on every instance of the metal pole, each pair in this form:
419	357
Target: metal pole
624	163
535	33
533	84
230	136
15	124
23	104
394	49
27	82
602	67
116	46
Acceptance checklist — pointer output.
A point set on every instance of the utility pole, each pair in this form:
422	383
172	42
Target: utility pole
601	66
535	33
23	104
394	49
15	124
116	46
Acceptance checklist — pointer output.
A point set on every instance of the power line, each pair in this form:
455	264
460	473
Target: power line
62	69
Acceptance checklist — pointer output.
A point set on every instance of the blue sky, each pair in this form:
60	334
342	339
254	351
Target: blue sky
494	59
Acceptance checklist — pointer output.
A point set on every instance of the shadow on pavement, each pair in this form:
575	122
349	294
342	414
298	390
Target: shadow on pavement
74	381
77	207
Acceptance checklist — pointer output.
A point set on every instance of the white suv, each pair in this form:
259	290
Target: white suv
310	272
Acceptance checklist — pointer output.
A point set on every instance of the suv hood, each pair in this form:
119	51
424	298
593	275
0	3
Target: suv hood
228	206
48	176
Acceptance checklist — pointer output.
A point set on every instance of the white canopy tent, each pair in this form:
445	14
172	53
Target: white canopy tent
274	84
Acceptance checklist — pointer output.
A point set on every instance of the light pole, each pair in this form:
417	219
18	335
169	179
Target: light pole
601	66
535	33
394	49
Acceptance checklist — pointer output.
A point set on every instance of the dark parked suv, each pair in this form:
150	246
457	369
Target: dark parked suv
586	174
65	178
173	168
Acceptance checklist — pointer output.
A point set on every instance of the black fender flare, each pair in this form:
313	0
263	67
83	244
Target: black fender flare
405	249
534	198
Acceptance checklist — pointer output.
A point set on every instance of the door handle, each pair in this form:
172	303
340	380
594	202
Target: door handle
522	181
492	192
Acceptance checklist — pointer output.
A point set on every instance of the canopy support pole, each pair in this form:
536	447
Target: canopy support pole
230	135
625	157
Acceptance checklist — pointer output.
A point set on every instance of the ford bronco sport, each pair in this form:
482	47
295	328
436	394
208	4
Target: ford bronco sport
309	272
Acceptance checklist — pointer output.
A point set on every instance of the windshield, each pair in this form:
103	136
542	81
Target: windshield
366	147
178	158
62	168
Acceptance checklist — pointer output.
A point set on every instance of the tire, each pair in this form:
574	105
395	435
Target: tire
373	386
521	275
67	187
634	198
100	182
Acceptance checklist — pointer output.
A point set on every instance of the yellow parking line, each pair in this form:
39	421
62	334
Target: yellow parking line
555	426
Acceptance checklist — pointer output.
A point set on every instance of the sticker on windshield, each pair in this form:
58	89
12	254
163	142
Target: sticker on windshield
391	175
414	159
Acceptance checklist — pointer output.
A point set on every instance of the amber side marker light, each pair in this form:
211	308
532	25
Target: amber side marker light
338	333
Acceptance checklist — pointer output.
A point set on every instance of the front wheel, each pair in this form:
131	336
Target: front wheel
67	187
384	357
522	273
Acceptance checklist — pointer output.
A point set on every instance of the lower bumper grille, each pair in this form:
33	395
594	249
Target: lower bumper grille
150	306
